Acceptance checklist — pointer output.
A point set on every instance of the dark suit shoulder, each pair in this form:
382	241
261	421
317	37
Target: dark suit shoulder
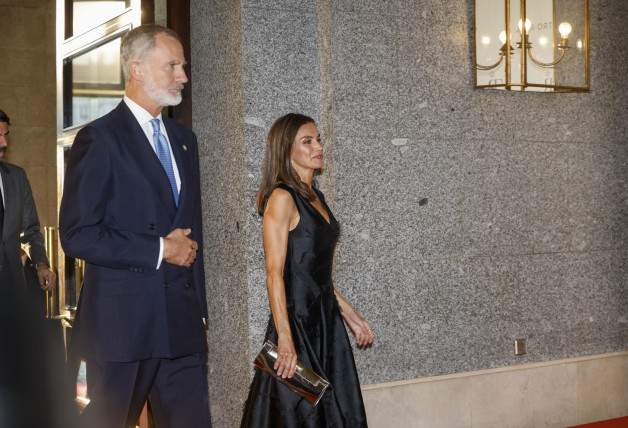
181	130
173	123
107	123
10	168
108	130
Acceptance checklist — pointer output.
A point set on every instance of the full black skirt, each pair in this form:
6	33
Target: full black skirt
318	332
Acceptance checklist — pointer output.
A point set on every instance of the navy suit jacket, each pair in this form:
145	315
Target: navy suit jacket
20	215
117	202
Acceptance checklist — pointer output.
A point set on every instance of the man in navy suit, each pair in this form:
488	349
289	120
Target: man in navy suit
131	209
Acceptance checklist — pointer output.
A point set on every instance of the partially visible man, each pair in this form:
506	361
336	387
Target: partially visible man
19	223
131	209
24	358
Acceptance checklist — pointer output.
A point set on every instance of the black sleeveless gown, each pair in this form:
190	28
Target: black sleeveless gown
318	333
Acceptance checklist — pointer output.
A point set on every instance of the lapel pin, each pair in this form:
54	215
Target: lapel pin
185	147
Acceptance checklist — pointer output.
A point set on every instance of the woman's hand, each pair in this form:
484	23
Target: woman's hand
359	326
286	362
361	329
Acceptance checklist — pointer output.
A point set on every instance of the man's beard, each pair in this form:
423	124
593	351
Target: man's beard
162	96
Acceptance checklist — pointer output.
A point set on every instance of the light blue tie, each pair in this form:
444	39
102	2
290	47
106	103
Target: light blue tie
163	153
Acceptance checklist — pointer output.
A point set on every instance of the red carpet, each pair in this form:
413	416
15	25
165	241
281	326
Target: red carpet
611	423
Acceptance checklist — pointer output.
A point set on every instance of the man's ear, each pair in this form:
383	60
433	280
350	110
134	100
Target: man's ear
135	69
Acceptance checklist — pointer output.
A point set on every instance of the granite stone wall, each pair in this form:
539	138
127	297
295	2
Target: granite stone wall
217	116
469	218
28	95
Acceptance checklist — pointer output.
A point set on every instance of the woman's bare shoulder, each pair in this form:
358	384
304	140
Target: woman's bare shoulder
280	201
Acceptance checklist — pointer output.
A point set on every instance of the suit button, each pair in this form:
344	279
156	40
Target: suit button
166	284
187	285
151	226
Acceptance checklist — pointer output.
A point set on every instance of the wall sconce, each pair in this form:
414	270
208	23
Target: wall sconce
523	45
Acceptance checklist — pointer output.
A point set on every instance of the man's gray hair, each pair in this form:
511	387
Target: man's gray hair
138	43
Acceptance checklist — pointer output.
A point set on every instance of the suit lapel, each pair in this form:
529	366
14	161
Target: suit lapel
10	197
180	156
3	173
144	155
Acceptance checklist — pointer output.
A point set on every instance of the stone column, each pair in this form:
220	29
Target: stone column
252	62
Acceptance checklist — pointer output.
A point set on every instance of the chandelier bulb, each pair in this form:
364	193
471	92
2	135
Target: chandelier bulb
564	29
502	37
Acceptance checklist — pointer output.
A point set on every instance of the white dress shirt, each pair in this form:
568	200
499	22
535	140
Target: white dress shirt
143	118
2	192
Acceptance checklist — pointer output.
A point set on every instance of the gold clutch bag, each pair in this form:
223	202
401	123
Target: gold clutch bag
304	382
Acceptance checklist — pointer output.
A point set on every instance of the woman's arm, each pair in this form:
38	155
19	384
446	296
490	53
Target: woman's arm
280	217
359	326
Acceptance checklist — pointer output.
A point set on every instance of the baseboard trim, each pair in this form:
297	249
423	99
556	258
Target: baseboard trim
494	370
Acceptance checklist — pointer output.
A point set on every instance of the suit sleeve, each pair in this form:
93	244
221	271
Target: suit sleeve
198	266
86	232
30	225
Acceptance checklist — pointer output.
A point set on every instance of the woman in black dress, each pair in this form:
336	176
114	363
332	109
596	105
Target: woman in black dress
306	323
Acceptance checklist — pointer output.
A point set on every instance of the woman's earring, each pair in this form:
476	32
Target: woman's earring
291	163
